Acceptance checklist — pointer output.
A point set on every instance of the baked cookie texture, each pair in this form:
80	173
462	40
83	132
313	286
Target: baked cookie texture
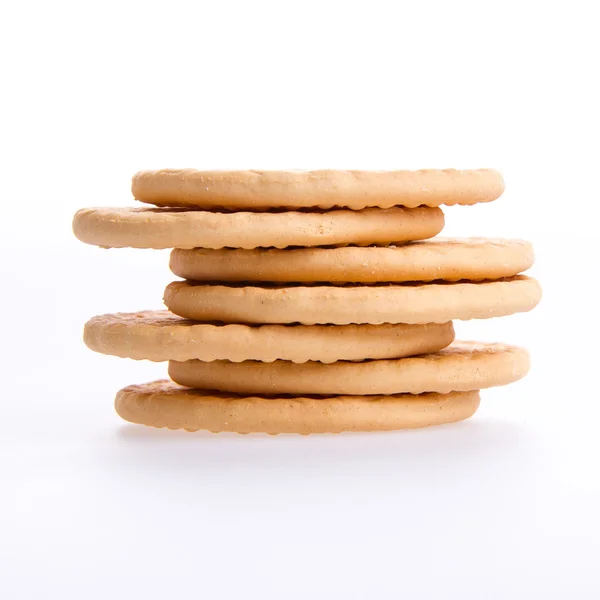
413	302
161	336
323	189
313	301
461	367
160	228
473	259
165	404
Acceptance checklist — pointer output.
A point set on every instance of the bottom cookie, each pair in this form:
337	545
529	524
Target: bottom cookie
166	404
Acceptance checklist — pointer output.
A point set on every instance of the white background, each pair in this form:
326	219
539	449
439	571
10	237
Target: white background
505	505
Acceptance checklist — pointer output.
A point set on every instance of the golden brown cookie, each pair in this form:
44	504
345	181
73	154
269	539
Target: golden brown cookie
440	258
258	190
160	335
341	305
462	367
179	228
165	404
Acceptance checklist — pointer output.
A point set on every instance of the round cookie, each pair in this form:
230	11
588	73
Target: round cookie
462	367
258	190
160	335
440	258
165	404
341	305
180	228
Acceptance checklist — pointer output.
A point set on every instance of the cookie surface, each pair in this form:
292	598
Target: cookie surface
342	305
440	258
179	228
324	189
165	404
462	367
160	335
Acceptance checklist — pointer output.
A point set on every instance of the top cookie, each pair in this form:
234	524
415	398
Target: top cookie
260	190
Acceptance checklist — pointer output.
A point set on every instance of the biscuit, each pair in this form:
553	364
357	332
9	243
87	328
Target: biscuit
165	404
160	335
257	190
342	305
179	228
462	367
441	258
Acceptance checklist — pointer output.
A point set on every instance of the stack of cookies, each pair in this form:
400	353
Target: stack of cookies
312	301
